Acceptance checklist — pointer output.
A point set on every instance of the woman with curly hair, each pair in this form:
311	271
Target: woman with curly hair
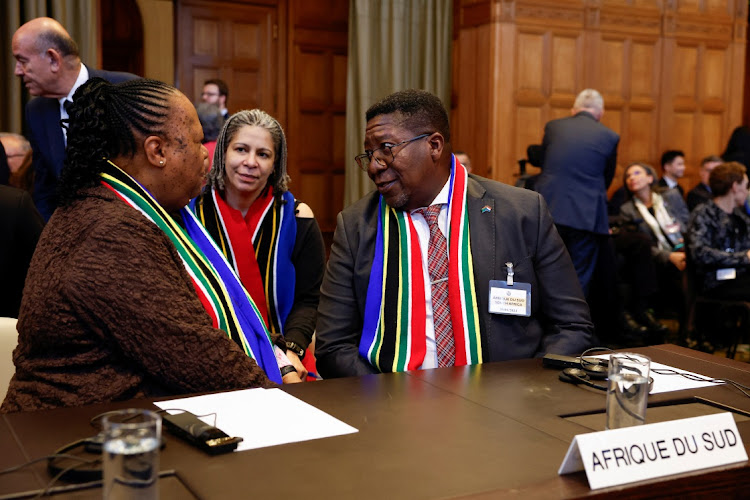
719	235
119	301
272	240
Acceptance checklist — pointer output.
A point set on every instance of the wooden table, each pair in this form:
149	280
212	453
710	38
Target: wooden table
489	431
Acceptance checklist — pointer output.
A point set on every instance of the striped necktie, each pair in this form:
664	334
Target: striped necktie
437	263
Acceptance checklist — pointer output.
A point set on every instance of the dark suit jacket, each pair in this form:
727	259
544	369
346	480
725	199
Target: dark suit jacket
676	207
517	228
48	143
578	163
20	227
663	183
699	194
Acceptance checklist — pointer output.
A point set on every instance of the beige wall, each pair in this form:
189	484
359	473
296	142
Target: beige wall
158	39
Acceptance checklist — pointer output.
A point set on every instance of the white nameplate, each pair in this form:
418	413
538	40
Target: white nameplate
621	456
726	274
514	300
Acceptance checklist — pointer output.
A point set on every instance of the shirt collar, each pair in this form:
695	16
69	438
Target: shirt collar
442	196
83	76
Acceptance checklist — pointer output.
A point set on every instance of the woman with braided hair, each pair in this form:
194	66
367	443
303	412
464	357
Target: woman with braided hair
271	240
119	301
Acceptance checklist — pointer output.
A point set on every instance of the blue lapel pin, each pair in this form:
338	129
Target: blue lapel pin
486	209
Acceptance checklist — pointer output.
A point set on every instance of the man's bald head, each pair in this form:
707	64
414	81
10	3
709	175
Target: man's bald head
49	33
47	57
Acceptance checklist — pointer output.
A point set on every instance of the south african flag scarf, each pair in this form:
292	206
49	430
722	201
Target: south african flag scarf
393	335
218	288
257	246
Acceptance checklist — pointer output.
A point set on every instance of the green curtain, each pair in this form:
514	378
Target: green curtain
393	45
78	17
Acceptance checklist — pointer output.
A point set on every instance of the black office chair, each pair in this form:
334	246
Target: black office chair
714	322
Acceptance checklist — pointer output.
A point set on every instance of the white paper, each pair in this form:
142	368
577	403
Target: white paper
631	454
262	417
674	382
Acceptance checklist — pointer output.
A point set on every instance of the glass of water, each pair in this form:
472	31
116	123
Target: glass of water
627	394
130	454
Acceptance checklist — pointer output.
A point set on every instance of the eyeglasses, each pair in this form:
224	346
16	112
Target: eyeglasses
383	153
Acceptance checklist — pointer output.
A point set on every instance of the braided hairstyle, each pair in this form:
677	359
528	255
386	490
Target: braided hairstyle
279	179
106	121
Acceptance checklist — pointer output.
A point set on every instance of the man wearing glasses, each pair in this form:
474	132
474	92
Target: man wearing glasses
216	91
437	267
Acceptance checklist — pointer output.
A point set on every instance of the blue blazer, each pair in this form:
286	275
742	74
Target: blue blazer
579	160
48	143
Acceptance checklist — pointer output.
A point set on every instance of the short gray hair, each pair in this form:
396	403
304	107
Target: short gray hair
279	179
25	145
589	99
211	120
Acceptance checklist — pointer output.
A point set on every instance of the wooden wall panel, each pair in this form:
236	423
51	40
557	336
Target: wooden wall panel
531	55
565	52
474	130
642	70
683	133
315	129
671	73
206	37
684	75
640	135
611	62
709	135
715	63
532	119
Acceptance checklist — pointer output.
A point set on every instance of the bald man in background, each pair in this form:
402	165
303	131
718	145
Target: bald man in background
48	62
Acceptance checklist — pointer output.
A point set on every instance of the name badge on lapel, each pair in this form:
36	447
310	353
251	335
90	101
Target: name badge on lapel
510	297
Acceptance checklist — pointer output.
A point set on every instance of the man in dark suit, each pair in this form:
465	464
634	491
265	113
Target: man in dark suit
510	237
48	62
702	192
673	168
579	157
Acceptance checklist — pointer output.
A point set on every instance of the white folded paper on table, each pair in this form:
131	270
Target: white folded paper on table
262	417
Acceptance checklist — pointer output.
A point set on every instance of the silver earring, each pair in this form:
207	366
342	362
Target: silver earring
161	162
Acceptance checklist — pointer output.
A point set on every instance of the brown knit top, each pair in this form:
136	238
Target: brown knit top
109	313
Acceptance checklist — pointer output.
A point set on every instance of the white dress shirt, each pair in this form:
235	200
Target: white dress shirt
83	76
670	182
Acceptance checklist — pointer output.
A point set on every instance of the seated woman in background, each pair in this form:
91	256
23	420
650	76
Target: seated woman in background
119	302
719	235
663	216
18	151
272	241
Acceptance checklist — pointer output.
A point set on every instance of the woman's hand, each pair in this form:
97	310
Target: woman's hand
297	363
678	259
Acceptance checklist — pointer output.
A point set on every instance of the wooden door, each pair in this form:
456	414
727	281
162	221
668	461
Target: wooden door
237	42
317	106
